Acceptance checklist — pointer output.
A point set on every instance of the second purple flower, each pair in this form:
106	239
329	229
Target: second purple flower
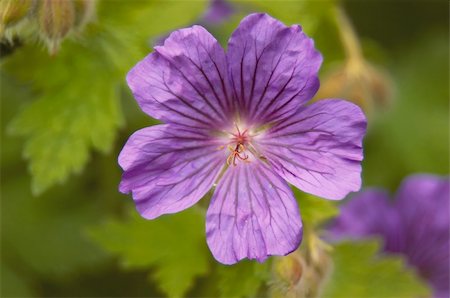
238	121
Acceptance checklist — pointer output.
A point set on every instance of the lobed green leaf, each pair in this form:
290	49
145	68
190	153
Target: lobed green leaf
76	105
360	271
314	210
174	245
243	279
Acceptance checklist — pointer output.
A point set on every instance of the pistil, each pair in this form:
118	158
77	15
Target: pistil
237	151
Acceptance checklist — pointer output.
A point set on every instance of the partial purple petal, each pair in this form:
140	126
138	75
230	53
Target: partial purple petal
415	224
369	214
168	168
253	214
185	81
218	11
425	190
366	214
319	149
423	206
273	68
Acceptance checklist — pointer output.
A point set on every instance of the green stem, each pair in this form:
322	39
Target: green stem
348	36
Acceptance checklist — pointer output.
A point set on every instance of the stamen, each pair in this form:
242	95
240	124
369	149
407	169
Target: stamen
237	127
237	151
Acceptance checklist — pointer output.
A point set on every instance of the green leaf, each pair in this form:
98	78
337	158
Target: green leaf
44	235
62	127
13	285
359	271
173	244
243	279
11	93
76	104
314	210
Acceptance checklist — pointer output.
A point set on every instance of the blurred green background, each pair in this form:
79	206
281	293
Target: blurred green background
66	112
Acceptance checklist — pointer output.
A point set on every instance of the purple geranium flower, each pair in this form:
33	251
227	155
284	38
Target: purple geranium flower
416	224
238	120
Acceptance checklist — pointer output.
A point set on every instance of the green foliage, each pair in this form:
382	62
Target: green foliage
243	279
45	233
311	15
413	136
307	13
40	236
174	245
13	285
11	93
68	105
314	210
76	104
359	271
62	126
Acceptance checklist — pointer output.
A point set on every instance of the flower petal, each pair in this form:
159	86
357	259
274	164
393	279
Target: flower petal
366	214
423	206
426	190
169	168
185	81
319	150
273	68
253	214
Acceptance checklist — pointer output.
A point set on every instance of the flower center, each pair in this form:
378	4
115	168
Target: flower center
237	146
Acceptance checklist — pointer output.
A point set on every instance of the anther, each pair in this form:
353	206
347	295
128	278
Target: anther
236	153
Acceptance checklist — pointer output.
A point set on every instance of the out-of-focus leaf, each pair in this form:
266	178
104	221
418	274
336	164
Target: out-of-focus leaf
17	92
307	13
13	285
173	244
317	19
414	135
314	210
359	271
76	106
243	279
45	234
62	126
